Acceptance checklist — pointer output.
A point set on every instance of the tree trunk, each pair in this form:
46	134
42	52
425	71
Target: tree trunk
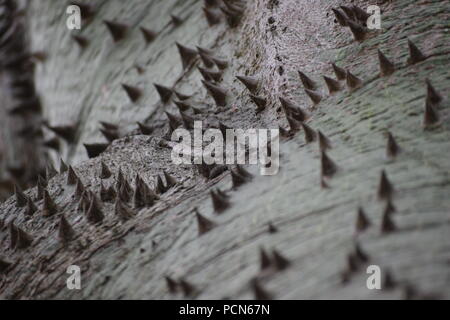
308	219
20	134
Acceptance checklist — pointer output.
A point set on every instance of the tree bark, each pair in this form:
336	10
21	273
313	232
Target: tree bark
21	153
315	225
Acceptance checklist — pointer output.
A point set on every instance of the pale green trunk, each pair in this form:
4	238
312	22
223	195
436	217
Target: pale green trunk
316	226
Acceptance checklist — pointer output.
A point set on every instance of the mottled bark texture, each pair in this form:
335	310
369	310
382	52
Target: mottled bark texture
353	196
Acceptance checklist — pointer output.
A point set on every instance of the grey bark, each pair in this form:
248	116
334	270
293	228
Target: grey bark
21	152
316	226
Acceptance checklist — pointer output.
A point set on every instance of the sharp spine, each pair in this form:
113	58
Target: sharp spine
95	149
340	73
386	66
358	31
307	82
208	75
52	143
188	55
360	14
82	42
324	142
385	189
4	266
362	222
220	203
388	280
387	224
204	224
68	132
83	204
174	122
49	207
117	30
94	213
65	230
392	148
71	177
217	171
133	93
107	194
328	167
314	96
218	94
165	93
352	263
212	16
40	189
333	85
353	82
220	63
176	20
122	211
280	261
265	260
170	181
62	166
251	83
415	55
433	97
360	254
211	3
310	134
50	171
259	101
110	135
237	179
431	116
143	195
172	285
12	235
182	106
109	126
389	208
124	193
233	17
79	189
105	173
272	228
146	130
341	17
187	120
293	110
42	181
148	34
187	288
294	125
243	172
283	132
259	292
23	239
21	198
206	59
31	207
